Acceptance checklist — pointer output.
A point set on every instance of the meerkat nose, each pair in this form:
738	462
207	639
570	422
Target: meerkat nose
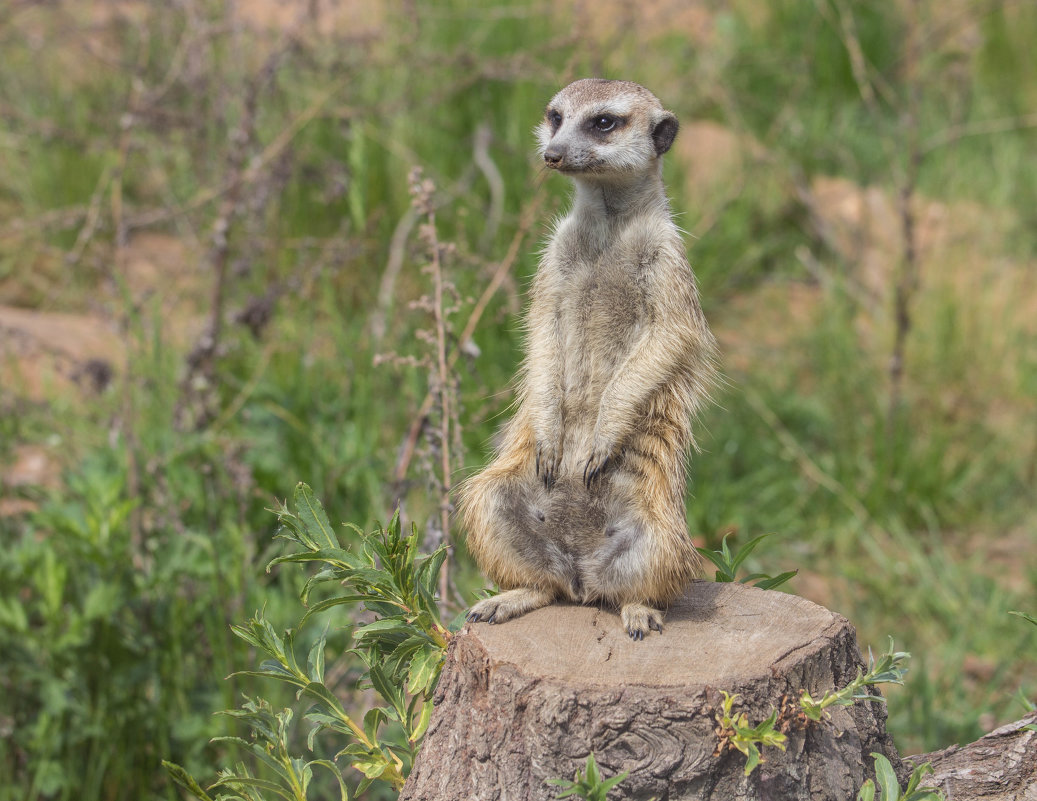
554	155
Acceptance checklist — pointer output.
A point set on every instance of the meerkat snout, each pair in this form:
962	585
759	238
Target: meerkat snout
554	155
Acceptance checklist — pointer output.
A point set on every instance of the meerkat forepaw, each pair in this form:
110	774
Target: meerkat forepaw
639	620
548	460
603	448
596	464
507	605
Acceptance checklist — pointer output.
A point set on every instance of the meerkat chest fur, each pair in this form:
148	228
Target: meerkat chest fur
601	292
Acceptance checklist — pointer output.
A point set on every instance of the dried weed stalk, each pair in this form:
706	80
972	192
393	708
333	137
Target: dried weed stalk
440	447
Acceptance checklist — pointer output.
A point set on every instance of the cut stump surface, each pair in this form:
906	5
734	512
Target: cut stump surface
526	701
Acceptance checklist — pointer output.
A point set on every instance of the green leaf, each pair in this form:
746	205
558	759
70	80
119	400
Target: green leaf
315	660
776	581
185	780
264	674
608	784
325	721
422	723
324	695
101	601
391	693
722	574
428	571
385	624
1024	616
593	776
752	754
313	516
867	791
886	778
354	749
13	616
257	750
916	777
325	605
324	763
424	668
323	576
372	763
745	550
336	557
237	782
372	720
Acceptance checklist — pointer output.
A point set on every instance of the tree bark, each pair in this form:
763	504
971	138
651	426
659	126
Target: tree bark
999	767
526	701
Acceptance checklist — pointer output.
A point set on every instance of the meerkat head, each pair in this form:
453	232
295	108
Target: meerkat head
596	127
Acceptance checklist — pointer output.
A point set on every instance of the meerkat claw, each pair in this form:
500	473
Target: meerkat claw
546	466
589	473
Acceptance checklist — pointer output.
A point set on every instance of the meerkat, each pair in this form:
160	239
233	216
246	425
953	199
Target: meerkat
584	499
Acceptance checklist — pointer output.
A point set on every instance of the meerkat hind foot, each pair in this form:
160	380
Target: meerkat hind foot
639	619
509	604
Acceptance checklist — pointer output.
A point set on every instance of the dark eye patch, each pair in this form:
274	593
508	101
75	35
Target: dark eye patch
554	118
604	123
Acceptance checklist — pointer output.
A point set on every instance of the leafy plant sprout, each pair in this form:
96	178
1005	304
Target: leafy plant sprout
888	670
889	787
402	649
735	732
727	564
588	784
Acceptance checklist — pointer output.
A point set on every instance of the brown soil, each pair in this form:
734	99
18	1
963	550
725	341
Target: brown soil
43	353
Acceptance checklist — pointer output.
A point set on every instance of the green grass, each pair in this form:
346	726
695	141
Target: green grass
897	516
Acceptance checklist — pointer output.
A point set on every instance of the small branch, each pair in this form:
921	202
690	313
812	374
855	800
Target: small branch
444	397
238	181
858	63
393	265
979	128
907	282
200	361
869	87
482	159
93	217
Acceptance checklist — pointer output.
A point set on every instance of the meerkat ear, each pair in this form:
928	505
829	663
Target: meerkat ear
664	132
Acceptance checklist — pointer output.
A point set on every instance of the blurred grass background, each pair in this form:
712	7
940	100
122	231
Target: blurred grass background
206	244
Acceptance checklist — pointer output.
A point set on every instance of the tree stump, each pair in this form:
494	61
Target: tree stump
999	767
526	701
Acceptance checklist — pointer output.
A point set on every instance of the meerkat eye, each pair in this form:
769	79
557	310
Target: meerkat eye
605	123
555	119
